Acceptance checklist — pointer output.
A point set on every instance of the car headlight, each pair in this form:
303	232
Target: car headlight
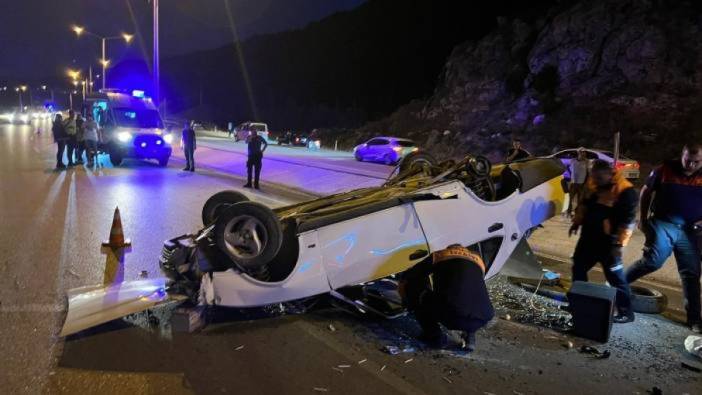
168	138
397	149
24	118
124	136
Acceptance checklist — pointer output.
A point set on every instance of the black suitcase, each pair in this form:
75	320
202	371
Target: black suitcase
592	307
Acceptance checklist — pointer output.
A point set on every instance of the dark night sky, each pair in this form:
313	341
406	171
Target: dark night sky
36	41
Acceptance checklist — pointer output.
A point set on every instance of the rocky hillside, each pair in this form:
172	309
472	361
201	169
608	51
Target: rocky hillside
572	76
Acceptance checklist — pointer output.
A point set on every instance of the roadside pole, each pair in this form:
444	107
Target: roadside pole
617	137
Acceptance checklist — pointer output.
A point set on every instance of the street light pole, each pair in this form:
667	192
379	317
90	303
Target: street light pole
19	93
157	85
104	64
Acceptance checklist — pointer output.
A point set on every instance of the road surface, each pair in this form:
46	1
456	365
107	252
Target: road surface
52	224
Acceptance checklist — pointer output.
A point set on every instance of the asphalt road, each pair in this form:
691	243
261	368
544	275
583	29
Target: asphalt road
51	227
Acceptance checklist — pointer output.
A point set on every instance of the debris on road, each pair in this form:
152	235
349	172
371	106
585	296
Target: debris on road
362	361
446	379
337	369
394	350
693	345
508	317
409	360
331	328
344	366
568	345
597	354
383	368
239	348
144	274
71	272
320	389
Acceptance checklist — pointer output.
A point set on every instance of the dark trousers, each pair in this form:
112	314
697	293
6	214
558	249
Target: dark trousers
60	148
80	148
90	150
254	164
189	152
663	239
71	145
588	252
430	312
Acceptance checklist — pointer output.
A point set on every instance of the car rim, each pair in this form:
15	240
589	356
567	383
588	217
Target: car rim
245	237
420	164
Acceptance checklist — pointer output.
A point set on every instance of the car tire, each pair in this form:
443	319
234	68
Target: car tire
387	159
648	301
358	157
116	157
163	162
417	158
250	235
218	202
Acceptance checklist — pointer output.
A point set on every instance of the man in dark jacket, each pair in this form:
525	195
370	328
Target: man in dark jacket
456	297
60	138
189	144
257	146
607	215
671	219
516	152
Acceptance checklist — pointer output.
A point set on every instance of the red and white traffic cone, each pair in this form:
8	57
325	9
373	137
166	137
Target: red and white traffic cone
117	239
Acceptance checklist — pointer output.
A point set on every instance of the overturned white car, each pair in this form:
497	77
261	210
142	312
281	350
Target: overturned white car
249	255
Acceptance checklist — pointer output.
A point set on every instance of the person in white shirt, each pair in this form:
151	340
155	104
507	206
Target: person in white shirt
578	175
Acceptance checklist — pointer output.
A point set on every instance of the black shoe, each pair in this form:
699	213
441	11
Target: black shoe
60	166
186	169
256	186
70	164
247	185
623	318
192	169
468	341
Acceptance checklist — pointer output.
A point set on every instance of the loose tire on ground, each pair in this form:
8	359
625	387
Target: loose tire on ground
218	202
250	235
648	301
417	159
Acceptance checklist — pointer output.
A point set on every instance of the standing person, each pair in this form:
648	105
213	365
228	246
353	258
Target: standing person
90	139
257	146
457	297
671	219
516	152
230	129
80	143
60	139
189	145
69	126
578	175
607	215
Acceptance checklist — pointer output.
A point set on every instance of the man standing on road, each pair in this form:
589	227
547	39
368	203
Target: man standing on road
607	215
257	146
189	145
516	152
578	175
90	139
671	219
457	297
69	126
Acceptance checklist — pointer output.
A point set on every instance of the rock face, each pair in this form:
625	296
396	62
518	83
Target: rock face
570	77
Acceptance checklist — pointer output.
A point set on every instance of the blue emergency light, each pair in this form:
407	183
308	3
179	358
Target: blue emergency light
138	93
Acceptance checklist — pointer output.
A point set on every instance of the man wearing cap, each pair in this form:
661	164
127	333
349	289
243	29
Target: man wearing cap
671	218
456	295
607	216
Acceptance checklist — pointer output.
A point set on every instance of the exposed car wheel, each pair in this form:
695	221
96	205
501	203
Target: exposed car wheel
250	235
116	157
480	166
163	162
417	160
647	300
218	203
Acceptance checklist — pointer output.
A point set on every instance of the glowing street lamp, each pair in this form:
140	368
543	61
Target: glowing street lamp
124	36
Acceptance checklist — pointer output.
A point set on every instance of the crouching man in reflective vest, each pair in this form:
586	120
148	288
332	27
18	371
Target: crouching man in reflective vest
455	296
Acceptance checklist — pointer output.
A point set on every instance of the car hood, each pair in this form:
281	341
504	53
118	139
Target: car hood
94	305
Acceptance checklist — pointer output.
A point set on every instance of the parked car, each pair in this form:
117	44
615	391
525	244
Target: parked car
293	138
243	131
388	150
249	255
629	167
